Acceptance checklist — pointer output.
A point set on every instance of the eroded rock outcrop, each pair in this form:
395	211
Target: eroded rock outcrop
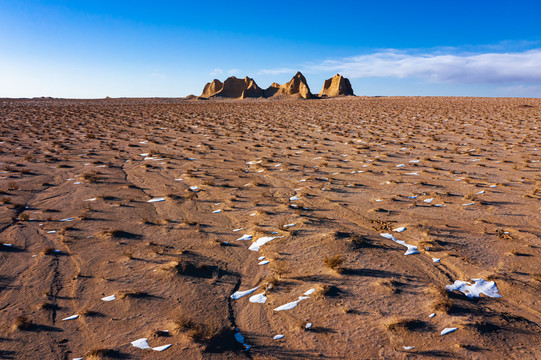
233	88
297	86
336	86
212	88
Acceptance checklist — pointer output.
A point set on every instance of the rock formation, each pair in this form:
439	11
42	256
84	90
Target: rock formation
232	88
336	86
297	86
212	88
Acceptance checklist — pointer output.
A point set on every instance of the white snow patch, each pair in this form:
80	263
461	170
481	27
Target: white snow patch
262	241
291	305
238	294
479	287
72	317
259	298
412	250
161	348
448	330
244	237
309	292
141	343
240	338
109	298
156	200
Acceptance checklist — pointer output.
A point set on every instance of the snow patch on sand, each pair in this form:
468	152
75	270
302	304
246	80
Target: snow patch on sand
412	250
259	298
238	294
291	305
262	241
479	287
448	330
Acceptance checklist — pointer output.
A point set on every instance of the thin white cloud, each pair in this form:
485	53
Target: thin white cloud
216	72
233	72
495	68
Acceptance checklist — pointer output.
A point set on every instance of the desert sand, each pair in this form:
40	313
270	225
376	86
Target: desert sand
345	228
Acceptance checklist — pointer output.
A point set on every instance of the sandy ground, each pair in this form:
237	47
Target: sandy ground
343	171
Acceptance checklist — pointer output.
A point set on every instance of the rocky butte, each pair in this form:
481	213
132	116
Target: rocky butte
336	86
232	88
297	87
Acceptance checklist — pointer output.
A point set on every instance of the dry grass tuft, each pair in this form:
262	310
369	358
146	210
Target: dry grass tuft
334	262
441	299
102	353
280	268
323	291
23	323
91	177
404	325
134	295
195	331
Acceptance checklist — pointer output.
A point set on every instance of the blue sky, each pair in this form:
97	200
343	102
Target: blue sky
93	49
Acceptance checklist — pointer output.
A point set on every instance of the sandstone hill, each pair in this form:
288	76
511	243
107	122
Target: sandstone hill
297	87
212	88
233	88
336	86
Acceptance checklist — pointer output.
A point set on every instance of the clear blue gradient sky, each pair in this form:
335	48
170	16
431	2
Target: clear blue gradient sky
93	49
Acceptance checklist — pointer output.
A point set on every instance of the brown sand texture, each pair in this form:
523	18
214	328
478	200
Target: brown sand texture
312	185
